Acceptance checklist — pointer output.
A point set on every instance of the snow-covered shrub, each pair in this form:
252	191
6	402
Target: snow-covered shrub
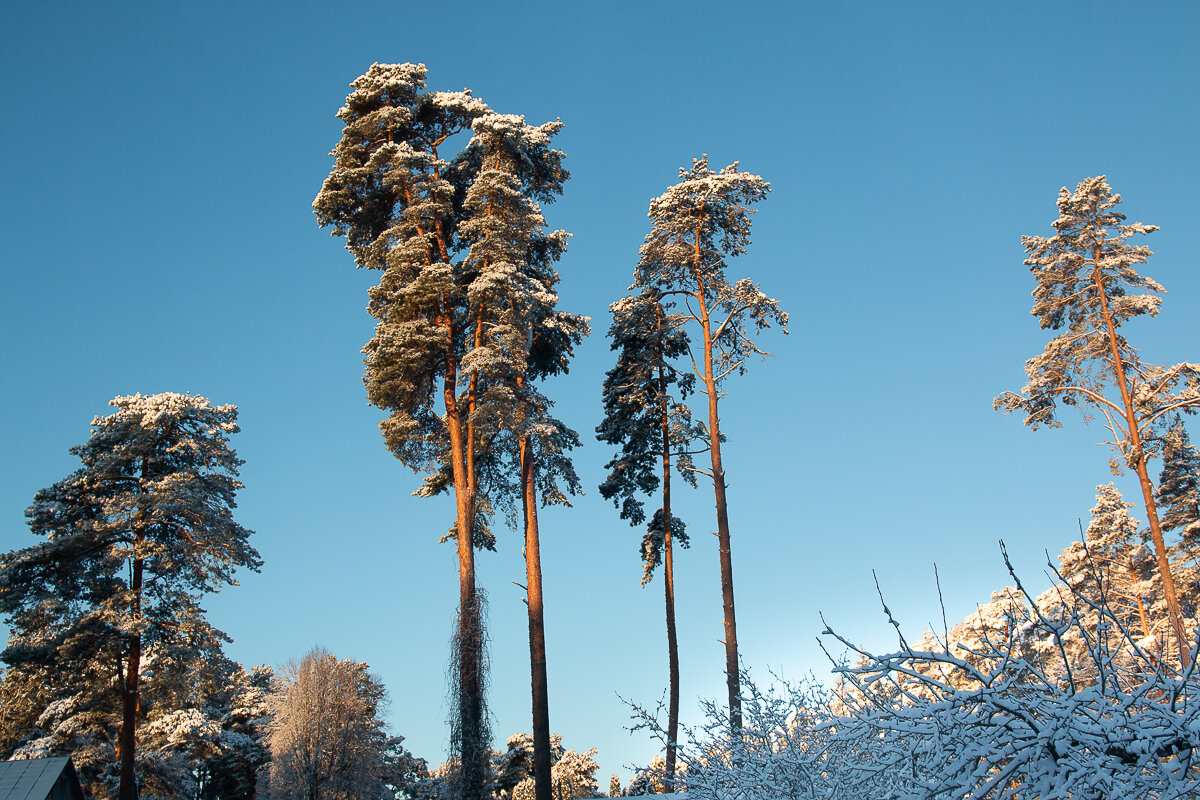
1021	701
790	747
1017	713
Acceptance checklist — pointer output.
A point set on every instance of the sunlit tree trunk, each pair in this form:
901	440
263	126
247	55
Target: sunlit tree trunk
537	629
1140	458
726	557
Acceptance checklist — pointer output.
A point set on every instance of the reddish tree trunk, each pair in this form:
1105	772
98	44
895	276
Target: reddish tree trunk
472	750
732	681
537	631
1135	439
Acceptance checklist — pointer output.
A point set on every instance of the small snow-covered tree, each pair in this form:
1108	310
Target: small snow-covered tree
242	714
646	416
573	774
697	225
516	763
1107	566
326	736
135	537
1087	283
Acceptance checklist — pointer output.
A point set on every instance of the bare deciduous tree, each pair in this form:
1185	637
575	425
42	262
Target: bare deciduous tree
326	737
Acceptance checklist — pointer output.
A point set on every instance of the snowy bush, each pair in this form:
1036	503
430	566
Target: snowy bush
1021	700
1019	715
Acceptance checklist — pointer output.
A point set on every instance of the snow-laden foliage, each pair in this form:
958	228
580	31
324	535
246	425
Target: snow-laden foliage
134	538
466	304
200	724
515	763
788	747
327	739
572	776
1087	283
652	779
697	225
1027	716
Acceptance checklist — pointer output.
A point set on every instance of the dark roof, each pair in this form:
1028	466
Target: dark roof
34	778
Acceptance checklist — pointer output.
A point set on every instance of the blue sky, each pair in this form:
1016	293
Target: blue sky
157	235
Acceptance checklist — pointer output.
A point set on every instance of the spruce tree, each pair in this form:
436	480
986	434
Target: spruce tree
696	225
645	414
1178	497
1178	492
1087	283
135	537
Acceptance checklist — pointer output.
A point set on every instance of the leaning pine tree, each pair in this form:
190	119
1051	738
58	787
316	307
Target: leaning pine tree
1087	284
644	414
696	225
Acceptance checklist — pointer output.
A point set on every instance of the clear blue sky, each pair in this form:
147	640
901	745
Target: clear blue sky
156	235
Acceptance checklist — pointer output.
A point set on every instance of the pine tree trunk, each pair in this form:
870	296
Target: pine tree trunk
669	583
127	789
1140	457
537	631
672	639
718	475
472	748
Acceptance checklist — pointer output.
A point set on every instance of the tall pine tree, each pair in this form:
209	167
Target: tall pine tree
521	337
390	195
645	415
697	225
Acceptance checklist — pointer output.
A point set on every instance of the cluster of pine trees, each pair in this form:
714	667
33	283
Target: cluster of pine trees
468	329
110	657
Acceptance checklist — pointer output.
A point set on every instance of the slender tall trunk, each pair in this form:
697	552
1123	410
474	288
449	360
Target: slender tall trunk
1140	458
669	595
472	748
732	681
131	696
537	630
